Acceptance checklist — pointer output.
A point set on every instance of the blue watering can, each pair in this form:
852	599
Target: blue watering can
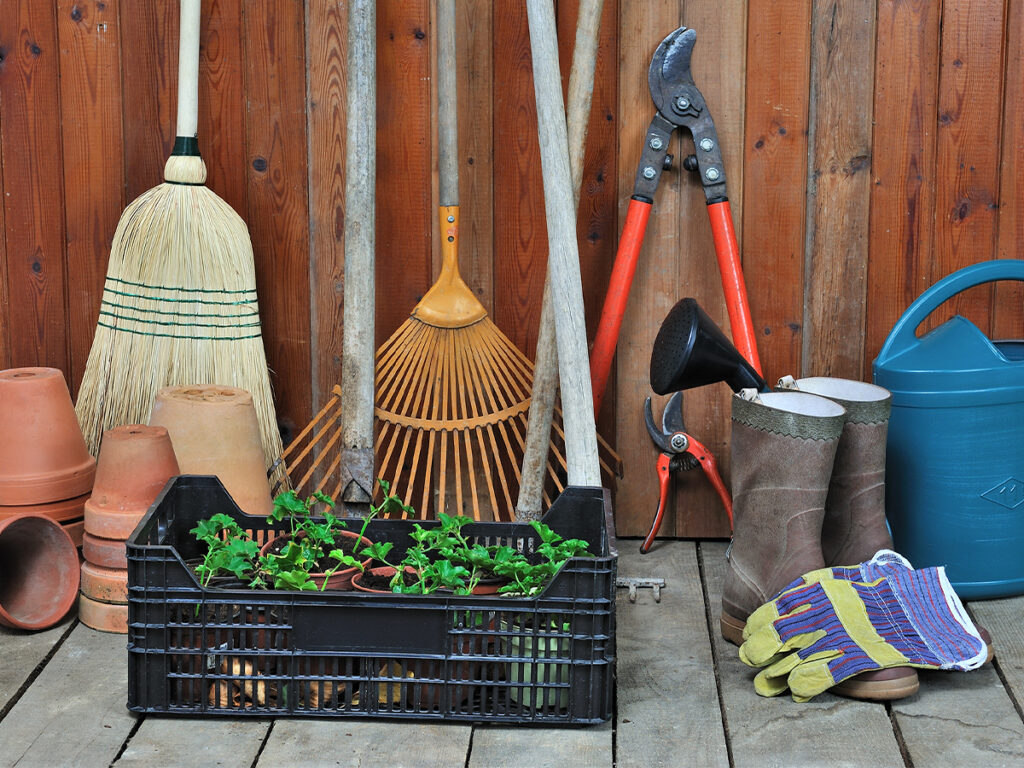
955	453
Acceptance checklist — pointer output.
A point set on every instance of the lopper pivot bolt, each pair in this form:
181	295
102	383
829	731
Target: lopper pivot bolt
679	451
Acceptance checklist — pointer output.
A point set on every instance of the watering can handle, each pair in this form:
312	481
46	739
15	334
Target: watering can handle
903	335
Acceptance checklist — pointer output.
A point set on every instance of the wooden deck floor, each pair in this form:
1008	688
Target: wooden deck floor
684	699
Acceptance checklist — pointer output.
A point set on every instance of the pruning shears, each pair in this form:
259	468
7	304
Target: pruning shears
680	105
679	451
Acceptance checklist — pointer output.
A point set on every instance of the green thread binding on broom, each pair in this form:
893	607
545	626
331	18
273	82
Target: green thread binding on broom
167	288
177	335
165	317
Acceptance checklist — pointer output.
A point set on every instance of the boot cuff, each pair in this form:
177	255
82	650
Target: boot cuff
864	403
794	414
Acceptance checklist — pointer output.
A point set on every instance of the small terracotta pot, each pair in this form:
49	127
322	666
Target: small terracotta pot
490	586
105	585
339	580
384	571
215	431
105	617
43	457
39	572
60	511
135	463
108	553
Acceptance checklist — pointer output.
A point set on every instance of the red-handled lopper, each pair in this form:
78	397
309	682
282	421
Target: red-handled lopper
680	105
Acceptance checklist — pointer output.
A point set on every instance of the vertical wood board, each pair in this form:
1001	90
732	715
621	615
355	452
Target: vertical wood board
520	234
33	199
842	70
326	58
967	163
277	198
642	26
775	177
90	96
902	166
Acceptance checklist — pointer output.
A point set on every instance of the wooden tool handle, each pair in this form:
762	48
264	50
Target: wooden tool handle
357	365
447	106
188	69
545	371
563	256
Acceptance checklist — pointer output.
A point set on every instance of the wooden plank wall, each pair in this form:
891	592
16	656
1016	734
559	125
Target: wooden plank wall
871	147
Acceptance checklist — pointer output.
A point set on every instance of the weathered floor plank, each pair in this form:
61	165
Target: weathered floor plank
350	743
667	695
763	732
970	719
20	654
1004	619
961	719
505	747
74	713
194	743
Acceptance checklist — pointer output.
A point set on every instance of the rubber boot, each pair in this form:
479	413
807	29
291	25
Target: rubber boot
854	528
783	446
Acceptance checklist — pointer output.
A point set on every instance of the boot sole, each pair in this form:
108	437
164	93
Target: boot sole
732	628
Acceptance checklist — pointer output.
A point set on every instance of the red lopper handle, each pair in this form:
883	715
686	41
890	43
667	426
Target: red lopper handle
614	308
728	252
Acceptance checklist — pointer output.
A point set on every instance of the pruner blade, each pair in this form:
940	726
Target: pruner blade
671	423
670	73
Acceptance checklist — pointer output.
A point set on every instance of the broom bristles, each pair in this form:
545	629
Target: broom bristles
179	307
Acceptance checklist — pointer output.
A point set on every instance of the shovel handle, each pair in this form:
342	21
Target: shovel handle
728	252
614	308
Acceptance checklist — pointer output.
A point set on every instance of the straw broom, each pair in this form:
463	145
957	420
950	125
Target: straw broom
179	302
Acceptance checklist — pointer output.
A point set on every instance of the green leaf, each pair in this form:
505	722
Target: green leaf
378	550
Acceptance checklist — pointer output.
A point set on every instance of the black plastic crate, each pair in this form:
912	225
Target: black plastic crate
194	650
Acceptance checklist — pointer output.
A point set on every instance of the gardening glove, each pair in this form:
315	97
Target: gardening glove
822	632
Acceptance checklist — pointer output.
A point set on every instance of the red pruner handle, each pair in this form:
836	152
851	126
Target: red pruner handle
663	478
710	467
603	353
728	252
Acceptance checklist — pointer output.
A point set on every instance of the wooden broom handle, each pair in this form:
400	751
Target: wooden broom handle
545	372
188	69
584	467
357	362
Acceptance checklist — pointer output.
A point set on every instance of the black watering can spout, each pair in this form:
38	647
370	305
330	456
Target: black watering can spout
691	351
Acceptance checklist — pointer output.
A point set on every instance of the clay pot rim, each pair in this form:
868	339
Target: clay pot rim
317	576
48	487
376	571
71	595
64	511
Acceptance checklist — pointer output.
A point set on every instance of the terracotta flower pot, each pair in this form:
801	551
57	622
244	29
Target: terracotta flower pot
43	457
39	572
109	553
135	463
339	580
105	585
60	511
105	617
214	431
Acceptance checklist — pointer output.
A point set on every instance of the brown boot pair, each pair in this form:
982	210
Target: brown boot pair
808	468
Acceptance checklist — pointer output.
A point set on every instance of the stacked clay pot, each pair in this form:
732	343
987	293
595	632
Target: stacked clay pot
214	431
45	468
135	463
38	572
